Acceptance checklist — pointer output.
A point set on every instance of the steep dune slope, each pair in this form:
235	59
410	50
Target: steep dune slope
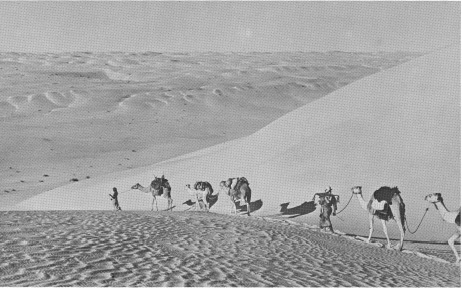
400	127
80	115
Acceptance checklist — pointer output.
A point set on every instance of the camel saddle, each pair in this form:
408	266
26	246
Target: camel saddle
162	181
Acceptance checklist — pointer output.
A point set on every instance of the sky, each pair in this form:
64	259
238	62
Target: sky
228	26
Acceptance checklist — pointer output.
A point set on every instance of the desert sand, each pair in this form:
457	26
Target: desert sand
397	127
139	248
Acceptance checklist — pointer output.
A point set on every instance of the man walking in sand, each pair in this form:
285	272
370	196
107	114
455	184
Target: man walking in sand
115	199
327	202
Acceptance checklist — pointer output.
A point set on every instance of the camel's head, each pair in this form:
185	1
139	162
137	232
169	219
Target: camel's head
136	186
356	190
434	197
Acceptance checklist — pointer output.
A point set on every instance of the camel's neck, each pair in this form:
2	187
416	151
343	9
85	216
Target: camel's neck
144	189
361	201
447	215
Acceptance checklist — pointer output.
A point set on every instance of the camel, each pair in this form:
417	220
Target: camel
201	191
237	189
158	187
452	217
393	209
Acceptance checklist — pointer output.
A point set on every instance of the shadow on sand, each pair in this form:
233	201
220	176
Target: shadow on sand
302	209
254	206
211	199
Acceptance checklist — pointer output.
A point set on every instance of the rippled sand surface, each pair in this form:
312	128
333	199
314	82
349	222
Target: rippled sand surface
135	248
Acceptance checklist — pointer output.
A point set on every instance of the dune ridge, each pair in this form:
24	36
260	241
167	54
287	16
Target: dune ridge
345	134
57	108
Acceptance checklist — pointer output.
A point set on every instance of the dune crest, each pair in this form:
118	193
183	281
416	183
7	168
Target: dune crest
386	129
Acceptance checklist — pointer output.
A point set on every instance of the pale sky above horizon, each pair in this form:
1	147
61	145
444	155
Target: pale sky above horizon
228	26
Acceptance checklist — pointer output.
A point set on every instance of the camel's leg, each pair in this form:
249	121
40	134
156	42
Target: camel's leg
371	227
399	246
451	244
198	205
385	231
233	207
170	200
155	200
206	204
248	209
397	216
152	204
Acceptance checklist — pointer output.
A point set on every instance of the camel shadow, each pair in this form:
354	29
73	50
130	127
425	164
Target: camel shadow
212	200
189	203
254	206
302	209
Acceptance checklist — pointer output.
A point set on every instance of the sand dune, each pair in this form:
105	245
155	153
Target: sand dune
387	129
399	127
162	105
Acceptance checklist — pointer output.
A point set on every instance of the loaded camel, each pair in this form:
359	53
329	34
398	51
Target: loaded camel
385	204
201	191
158	187
452	217
237	189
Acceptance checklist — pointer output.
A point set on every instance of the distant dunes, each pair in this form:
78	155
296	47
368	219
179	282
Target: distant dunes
258	79
43	102
95	109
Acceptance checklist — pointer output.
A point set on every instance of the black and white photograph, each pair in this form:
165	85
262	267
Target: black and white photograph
230	143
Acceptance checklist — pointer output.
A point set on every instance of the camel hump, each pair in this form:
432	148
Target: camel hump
385	194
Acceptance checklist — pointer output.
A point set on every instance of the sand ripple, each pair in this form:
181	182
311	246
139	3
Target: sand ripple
95	248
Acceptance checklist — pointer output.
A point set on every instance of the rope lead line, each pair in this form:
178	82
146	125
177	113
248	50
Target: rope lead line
345	205
125	191
407	225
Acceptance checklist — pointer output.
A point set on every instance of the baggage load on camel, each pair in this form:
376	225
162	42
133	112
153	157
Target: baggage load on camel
240	181
243	180
381	201
160	183
385	194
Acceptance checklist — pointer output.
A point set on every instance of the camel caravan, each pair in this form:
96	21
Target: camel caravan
384	204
